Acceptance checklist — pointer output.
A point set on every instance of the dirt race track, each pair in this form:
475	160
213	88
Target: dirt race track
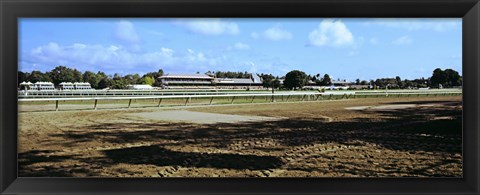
377	137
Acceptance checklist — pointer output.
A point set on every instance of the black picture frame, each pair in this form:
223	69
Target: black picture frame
11	10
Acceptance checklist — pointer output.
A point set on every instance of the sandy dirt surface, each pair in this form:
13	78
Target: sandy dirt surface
199	117
308	139
400	106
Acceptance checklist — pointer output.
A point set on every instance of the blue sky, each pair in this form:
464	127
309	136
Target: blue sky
344	48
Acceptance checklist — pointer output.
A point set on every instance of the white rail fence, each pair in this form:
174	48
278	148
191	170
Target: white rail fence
285	97
61	93
113	93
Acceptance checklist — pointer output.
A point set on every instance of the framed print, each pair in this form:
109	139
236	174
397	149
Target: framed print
239	97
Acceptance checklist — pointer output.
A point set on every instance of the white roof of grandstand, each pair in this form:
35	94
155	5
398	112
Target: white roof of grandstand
234	80
50	83
187	76
81	83
256	78
139	85
26	83
66	83
341	82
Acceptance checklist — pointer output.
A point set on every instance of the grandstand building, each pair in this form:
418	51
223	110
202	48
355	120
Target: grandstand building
66	86
341	85
25	85
236	83
43	86
185	80
203	81
82	86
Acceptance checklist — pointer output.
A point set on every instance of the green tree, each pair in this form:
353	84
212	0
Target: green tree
77	76
438	77
275	83
267	80
37	76
399	82
119	83
295	79
22	77
91	78
62	74
326	80
452	78
380	83
104	83
101	75
148	80
131	79
447	78
152	74
158	82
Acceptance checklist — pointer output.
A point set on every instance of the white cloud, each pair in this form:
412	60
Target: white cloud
404	40
116	58
275	33
438	25
331	33
209	26
126	32
239	46
373	41
255	35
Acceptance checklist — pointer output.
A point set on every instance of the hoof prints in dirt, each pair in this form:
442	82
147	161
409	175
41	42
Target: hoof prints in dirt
389	143
162	157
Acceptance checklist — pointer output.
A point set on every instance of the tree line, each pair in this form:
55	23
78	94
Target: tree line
98	80
229	74
294	79
297	79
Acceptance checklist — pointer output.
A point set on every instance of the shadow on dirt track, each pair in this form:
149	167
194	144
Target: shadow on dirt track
406	130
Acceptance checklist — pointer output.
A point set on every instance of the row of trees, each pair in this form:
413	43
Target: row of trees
97	80
446	78
440	78
295	79
228	74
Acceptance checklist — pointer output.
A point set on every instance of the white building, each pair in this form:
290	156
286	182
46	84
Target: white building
44	86
186	79
82	86
26	85
66	86
140	87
